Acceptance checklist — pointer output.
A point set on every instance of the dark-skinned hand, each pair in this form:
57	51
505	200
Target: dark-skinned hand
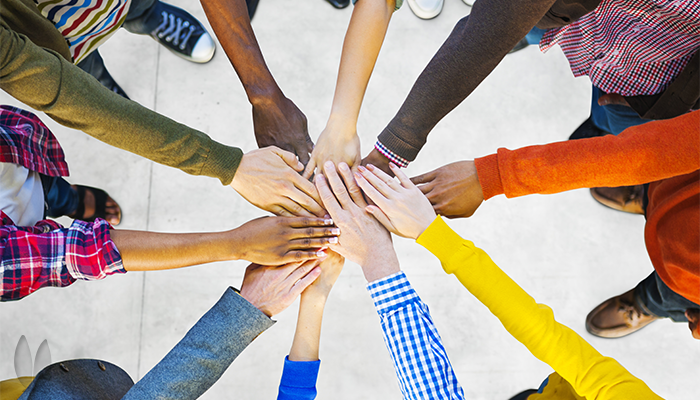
280	123
453	189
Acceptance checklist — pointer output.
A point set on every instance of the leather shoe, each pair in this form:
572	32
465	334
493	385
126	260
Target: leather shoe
618	317
339	3
624	198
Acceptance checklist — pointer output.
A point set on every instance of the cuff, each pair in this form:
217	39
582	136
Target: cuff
442	241
397	145
392	292
489	176
300	374
90	252
222	162
393	157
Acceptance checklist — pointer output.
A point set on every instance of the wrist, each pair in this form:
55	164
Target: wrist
380	266
315	296
342	126
262	96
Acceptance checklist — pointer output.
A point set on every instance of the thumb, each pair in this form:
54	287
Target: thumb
381	217
612	98
310	167
289	158
423	178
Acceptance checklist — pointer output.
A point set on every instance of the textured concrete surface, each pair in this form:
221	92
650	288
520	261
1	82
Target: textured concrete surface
565	250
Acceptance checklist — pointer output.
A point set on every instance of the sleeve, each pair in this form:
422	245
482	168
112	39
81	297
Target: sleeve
45	81
206	351
475	47
55	258
640	154
592	375
298	380
420	360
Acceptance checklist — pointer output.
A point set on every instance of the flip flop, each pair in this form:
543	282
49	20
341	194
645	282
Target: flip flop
100	204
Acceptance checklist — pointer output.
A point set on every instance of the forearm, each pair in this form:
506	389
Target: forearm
644	153
230	21
474	48
151	251
307	336
363	41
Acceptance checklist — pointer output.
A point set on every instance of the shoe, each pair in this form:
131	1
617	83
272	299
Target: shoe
618	317
524	394
339	3
426	9
587	130
624	198
519	46
469	2
182	34
252	6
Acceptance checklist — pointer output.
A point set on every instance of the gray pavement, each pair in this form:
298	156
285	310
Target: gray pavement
566	250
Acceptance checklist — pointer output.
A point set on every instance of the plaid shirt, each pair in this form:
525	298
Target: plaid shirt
631	47
46	254
422	366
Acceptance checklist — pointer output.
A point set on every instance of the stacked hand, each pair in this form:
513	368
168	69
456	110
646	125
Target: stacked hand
280	123
453	190
336	145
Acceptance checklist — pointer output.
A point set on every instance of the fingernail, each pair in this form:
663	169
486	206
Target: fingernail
328	221
335	231
327	216
392	165
321	254
333	240
329	164
357	175
300	165
370	167
361	168
344	166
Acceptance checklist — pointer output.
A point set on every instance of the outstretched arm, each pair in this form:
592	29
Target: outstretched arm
363	40
276	119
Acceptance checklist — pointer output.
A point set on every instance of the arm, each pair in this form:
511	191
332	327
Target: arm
476	45
644	153
302	364
363	40
47	82
204	354
276	120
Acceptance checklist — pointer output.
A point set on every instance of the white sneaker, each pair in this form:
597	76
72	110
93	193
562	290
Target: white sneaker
469	2
426	9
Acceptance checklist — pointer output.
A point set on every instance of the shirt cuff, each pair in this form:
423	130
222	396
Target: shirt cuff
489	176
300	374
392	292
393	157
90	252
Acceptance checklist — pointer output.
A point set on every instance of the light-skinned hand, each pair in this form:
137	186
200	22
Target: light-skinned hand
362	238
400	205
269	179
453	190
272	289
336	145
331	267
280	240
279	122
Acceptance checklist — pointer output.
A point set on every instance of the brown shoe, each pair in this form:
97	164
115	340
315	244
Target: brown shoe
618	317
624	198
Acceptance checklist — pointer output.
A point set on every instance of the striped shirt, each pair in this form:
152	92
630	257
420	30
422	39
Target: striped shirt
631	47
85	24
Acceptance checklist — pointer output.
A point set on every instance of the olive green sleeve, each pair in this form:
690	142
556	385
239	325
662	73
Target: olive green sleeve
45	81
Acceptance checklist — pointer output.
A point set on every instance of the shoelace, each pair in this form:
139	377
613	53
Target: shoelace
173	28
633	313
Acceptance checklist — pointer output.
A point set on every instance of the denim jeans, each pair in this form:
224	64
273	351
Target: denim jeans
60	198
613	118
654	296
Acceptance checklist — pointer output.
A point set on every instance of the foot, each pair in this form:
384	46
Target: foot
625	198
88	207
618	317
182	34
426	9
339	3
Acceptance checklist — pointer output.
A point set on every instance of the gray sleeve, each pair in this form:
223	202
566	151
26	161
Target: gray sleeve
204	354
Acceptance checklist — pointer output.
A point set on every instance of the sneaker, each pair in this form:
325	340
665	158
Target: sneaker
426	9
469	2
339	3
618	317
182	34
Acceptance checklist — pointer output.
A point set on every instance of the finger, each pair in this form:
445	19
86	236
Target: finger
306	195
403	179
373	194
279	210
288	158
304	222
301	285
377	213
391	182
300	256
377	183
294	209
337	185
312	243
314	233
423	178
310	168
327	198
353	189
426	188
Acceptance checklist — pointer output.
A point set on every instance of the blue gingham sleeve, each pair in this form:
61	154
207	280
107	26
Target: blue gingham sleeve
420	360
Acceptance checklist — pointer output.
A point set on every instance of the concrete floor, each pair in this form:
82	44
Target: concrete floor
565	250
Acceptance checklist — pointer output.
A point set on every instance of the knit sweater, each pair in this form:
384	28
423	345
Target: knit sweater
590	374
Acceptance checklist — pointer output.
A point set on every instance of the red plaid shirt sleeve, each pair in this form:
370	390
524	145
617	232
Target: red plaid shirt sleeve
49	255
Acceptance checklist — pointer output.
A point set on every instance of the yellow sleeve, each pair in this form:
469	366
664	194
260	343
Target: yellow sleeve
11	389
592	375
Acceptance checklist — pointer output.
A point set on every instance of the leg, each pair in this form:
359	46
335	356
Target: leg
61	199
94	65
78	202
655	297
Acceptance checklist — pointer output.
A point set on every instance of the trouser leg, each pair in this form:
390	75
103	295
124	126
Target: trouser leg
142	17
655	297
94	65
61	199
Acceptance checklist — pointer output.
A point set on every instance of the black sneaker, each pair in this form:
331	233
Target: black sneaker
182	34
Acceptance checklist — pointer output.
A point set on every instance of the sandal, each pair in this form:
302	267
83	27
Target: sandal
101	198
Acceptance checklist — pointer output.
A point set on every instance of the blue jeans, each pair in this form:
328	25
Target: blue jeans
653	295
60	198
613	118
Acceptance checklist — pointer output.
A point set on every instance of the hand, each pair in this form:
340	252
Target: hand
273	289
330	270
453	190
268	178
335	145
280	123
362	238
693	316
279	240
612	98
402	208
378	160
